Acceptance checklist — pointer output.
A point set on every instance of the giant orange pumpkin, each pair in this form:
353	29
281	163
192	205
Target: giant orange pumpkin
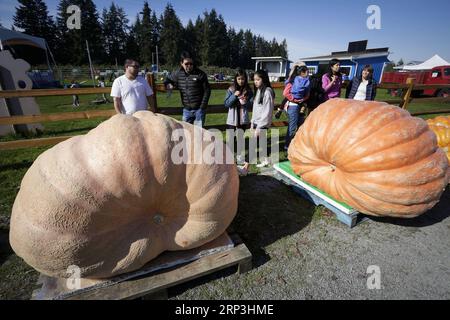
441	127
373	156
113	199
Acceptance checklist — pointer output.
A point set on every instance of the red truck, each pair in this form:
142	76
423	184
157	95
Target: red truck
437	75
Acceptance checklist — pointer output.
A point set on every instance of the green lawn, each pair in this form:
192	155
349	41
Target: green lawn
16	277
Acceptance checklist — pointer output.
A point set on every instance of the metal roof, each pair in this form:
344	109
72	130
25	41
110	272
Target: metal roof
271	58
377	52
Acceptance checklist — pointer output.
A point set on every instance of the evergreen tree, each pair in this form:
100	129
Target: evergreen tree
248	50
33	18
190	39
71	46
156	30
199	40
274	47
215	46
131	47
262	47
146	35
115	34
234	48
172	32
283	49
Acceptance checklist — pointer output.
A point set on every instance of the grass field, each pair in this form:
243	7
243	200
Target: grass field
16	278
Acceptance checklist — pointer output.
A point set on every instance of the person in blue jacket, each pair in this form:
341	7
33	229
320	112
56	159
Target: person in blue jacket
238	100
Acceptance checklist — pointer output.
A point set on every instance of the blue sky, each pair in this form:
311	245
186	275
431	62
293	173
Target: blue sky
413	30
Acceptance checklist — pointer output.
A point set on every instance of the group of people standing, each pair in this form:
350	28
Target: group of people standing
302	93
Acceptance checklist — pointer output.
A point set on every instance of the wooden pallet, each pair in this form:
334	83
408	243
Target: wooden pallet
152	281
344	213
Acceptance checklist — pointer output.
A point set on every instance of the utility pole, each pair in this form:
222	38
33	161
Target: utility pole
157	60
90	63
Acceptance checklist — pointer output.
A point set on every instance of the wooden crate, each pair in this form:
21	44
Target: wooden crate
344	213
152	281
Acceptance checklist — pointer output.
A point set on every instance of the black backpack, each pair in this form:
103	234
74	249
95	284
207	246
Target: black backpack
316	92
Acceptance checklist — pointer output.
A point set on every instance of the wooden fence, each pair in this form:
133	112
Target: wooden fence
212	109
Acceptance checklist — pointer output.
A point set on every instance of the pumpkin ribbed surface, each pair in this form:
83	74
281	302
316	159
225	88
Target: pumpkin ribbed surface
373	156
112	200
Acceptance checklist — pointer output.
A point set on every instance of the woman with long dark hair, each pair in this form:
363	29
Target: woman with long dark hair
332	80
238	100
363	87
263	105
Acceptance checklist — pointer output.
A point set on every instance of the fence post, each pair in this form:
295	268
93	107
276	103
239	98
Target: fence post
151	81
407	95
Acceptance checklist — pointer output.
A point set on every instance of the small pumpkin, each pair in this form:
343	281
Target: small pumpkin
440	121
371	155
441	127
112	200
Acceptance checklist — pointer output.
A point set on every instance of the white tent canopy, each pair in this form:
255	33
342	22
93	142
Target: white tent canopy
434	61
9	37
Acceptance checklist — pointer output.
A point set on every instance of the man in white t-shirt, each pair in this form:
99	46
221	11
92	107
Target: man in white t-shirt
131	92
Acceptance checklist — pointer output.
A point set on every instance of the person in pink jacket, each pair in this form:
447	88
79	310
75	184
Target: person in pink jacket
332	80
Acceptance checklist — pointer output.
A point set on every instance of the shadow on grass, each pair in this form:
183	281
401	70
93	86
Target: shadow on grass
437	214
60	132
17	279
5	248
16	166
268	211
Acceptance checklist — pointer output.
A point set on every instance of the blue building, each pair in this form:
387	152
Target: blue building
352	61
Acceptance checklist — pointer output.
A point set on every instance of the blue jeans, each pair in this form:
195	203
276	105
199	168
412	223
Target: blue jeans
296	119
198	115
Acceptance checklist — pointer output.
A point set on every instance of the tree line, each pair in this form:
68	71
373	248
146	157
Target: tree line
112	38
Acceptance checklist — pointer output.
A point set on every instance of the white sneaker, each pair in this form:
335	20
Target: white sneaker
240	159
243	170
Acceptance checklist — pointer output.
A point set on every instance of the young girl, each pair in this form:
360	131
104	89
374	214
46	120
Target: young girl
238	99
263	105
296	89
332	80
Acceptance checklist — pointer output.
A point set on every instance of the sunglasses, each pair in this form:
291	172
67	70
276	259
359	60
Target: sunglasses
134	66
188	64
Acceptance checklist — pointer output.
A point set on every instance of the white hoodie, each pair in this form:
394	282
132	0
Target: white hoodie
262	113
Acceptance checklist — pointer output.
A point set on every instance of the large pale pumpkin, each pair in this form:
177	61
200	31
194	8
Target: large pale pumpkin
441	127
373	156
112	200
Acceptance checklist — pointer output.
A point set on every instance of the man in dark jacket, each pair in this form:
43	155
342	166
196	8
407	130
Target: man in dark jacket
194	89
